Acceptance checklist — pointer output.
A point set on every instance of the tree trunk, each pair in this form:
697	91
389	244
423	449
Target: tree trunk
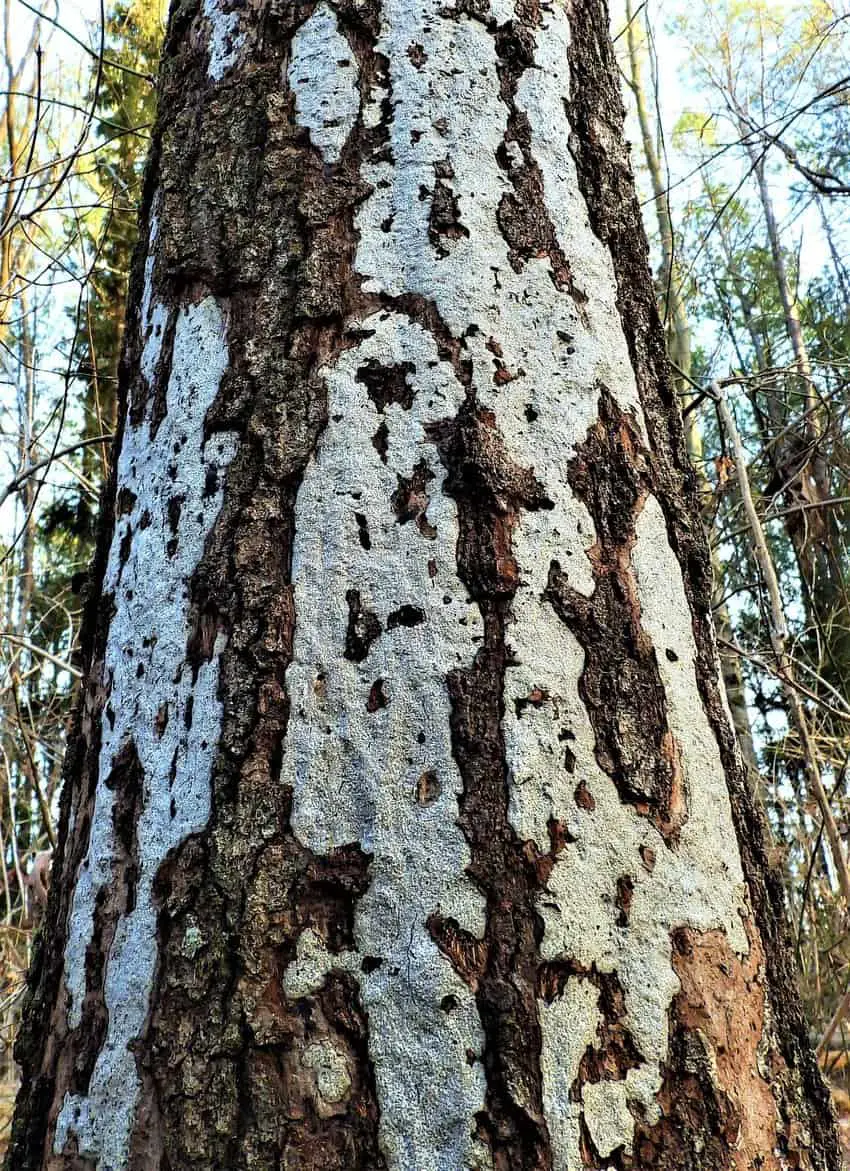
669	277
403	825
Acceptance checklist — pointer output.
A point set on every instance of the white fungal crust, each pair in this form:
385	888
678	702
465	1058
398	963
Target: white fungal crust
323	74
503	10
697	883
539	354
156	701
330	1070
225	41
385	777
354	771
569	1027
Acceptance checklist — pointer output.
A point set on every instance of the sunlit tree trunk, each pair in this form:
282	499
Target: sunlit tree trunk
839	266
670	277
404	825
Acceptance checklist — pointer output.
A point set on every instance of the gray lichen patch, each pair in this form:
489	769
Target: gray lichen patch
148	678
358	745
225	40
323	74
332	1078
696	882
544	408
436	226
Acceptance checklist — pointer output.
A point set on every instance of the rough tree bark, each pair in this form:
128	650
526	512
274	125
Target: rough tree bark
404	826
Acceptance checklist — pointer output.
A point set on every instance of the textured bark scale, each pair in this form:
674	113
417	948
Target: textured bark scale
403	825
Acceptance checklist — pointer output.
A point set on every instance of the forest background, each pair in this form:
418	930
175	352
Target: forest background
739	116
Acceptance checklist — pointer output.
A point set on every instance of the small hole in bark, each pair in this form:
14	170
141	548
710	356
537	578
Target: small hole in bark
584	798
672	657
210	482
535	698
625	894
387	384
410	499
530	413
174	509
370	963
406	616
428	788
647	855
377	697
363	530
126	545
449	1003
421	738
173	808
569	761
380	440
363	628
559	835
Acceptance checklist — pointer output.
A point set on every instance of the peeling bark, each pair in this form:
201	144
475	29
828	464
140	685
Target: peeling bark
420	839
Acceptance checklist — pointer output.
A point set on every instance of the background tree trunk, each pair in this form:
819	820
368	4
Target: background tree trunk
404	825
